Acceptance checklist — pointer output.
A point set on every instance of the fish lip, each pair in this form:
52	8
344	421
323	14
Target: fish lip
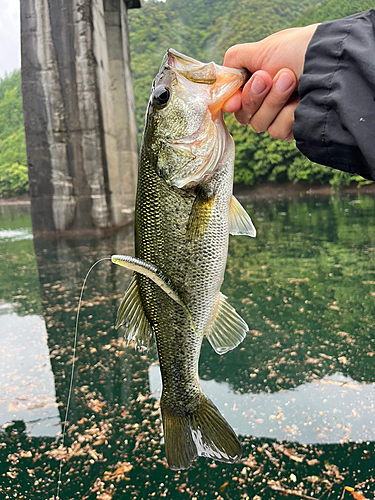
172	56
223	81
228	82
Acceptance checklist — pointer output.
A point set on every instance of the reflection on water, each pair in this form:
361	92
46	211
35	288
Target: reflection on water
331	410
304	375
16	234
27	388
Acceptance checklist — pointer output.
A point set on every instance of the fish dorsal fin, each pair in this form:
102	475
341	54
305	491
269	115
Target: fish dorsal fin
239	220
154	274
228	328
131	315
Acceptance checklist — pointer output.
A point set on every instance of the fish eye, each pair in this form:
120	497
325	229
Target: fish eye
161	96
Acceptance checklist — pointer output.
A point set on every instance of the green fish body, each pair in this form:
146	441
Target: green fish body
184	214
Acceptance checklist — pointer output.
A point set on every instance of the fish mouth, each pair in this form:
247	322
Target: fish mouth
223	81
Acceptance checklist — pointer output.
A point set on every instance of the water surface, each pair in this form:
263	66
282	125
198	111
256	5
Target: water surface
300	390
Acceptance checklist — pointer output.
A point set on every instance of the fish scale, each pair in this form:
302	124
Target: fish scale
184	214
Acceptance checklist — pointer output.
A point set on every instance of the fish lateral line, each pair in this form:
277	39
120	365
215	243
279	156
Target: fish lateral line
157	276
65	423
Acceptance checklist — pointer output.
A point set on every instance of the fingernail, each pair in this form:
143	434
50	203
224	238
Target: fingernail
283	83
258	85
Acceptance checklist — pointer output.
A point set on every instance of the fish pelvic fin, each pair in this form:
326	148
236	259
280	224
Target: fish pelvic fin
240	222
203	433
228	329
131	315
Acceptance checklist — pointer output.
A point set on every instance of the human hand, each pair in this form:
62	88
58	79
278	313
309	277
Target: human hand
267	101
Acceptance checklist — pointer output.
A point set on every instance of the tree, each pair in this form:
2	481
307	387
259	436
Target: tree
13	162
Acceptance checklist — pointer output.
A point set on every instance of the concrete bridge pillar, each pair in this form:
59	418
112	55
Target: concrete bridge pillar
78	103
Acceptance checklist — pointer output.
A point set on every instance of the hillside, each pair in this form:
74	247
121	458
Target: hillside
333	9
13	169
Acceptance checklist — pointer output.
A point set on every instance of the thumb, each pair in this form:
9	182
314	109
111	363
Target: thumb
244	55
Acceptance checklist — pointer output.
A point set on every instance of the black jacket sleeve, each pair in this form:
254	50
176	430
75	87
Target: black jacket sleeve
335	118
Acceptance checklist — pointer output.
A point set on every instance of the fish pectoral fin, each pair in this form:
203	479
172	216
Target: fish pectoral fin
228	328
132	316
239	220
154	274
200	217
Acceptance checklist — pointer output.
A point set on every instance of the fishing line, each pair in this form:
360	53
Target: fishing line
62	461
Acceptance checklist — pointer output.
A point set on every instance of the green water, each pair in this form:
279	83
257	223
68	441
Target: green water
299	391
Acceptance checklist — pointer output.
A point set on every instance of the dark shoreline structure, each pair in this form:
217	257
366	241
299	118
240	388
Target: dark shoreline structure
78	102
266	191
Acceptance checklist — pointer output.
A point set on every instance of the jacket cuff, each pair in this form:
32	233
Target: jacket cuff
335	118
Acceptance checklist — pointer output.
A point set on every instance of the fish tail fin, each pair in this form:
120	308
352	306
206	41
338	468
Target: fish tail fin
180	448
204	432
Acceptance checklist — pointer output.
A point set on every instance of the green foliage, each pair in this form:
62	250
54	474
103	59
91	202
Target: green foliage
251	20
13	169
328	10
13	163
204	29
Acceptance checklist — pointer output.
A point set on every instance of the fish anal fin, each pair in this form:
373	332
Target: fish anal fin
132	316
203	432
200	217
228	328
240	222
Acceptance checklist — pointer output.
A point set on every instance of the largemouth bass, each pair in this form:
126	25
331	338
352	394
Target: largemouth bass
184	214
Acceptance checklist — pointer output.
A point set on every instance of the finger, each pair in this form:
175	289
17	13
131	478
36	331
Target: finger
253	95
234	103
243	55
283	86
282	126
